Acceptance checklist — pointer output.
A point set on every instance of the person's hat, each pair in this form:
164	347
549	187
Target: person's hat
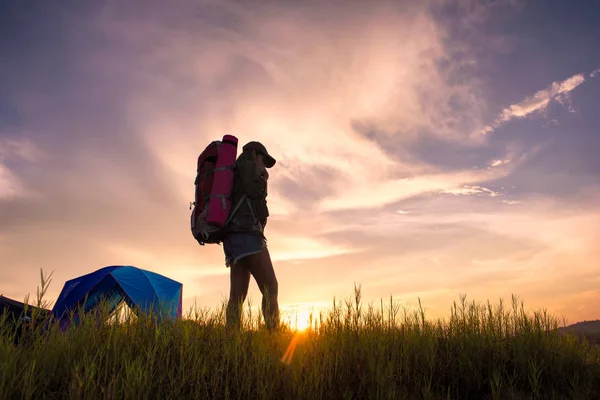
259	148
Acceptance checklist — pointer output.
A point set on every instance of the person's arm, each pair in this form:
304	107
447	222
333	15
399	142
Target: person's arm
254	186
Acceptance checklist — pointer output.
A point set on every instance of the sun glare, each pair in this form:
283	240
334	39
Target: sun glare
299	321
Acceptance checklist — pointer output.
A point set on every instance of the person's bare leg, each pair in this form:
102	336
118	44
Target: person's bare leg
239	277
262	270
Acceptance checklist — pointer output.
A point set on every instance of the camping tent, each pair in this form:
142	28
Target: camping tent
18	316
142	290
16	309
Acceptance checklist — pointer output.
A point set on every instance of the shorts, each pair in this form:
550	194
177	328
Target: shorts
239	245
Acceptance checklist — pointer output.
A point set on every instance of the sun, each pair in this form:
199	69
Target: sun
301	320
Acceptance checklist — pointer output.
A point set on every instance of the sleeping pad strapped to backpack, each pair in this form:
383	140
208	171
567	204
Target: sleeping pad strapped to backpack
214	181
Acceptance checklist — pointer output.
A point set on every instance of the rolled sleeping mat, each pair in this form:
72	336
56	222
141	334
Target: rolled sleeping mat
220	196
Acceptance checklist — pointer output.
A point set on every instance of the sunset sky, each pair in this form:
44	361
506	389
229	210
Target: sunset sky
425	149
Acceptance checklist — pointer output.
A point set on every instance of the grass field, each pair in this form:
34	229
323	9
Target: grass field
354	351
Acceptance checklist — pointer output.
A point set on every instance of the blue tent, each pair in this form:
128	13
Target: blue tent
142	291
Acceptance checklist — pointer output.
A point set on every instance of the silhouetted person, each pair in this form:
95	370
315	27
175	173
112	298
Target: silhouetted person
245	245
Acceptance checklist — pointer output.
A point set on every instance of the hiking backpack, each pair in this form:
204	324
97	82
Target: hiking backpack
211	208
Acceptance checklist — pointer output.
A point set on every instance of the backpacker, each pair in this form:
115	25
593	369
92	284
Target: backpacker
211	210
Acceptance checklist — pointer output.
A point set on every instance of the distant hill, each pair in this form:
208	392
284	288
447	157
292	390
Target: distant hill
589	329
586	326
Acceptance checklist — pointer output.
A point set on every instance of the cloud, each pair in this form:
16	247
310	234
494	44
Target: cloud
18	148
9	186
558	91
373	194
512	202
471	190
548	235
291	248
595	72
301	97
14	150
497	163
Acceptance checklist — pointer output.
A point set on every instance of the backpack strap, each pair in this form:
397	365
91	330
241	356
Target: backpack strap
237	206
256	220
231	167
240	201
